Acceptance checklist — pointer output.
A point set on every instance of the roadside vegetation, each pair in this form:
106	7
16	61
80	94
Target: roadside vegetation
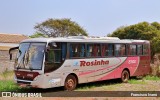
7	83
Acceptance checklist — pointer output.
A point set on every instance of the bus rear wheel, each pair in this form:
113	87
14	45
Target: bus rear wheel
70	83
125	76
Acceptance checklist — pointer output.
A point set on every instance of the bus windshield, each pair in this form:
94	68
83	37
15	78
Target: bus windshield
30	56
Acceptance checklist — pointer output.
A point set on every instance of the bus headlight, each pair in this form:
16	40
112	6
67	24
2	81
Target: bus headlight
35	79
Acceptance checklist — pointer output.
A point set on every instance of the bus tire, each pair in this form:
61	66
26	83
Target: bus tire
125	76
70	83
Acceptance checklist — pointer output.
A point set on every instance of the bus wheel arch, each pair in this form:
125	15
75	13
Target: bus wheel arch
125	75
71	82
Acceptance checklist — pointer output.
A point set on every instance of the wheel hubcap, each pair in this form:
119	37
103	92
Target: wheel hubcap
70	83
125	76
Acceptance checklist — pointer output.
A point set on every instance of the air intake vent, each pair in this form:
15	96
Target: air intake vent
93	37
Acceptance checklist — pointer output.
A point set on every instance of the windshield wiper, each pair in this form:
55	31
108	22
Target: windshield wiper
18	67
30	68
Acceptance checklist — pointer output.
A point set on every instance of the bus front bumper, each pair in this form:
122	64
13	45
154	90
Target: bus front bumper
39	83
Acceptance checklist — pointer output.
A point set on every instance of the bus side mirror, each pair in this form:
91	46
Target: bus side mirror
10	51
54	44
10	56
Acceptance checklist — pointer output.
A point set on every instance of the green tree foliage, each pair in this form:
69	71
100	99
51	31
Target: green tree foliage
37	35
141	31
156	25
155	46
60	28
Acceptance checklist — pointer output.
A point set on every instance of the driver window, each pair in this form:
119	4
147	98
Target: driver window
55	55
54	52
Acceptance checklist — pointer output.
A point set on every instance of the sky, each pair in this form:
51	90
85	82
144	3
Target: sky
97	17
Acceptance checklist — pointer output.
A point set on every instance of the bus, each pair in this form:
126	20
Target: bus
69	61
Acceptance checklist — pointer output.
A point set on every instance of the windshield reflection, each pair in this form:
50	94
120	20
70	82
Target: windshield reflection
30	56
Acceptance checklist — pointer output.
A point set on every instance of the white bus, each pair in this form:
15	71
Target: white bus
54	62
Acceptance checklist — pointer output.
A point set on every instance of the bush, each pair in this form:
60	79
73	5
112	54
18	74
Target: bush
155	67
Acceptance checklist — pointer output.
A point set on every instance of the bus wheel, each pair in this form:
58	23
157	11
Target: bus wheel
70	83
125	76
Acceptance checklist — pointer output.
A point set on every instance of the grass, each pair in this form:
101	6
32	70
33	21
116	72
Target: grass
101	84
7	83
154	78
143	80
111	86
7	75
86	87
134	81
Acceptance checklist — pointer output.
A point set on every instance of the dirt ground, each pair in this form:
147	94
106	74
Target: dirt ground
140	85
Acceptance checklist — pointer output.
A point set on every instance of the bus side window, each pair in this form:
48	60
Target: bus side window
110	49
57	53
145	49
120	50
96	50
64	50
54	52
139	49
73	50
123	50
117	47
77	50
57	56
107	50
132	49
93	50
94	54
82	52
70	51
50	56
89	50
103	50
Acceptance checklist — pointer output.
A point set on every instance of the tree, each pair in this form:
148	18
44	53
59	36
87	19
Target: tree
155	45
37	35
141	31
156	25
60	28
144	31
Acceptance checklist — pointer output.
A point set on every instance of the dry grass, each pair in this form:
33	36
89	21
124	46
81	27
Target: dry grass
7	75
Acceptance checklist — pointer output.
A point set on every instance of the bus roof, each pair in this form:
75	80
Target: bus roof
85	39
